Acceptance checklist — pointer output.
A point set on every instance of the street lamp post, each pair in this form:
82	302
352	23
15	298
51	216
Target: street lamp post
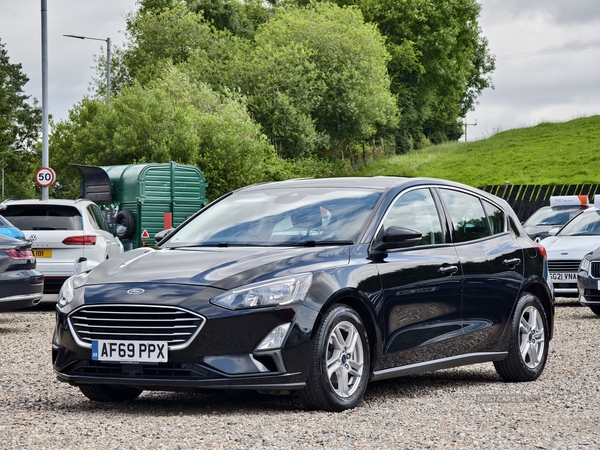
107	40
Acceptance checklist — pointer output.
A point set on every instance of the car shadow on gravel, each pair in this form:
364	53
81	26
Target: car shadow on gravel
177	403
226	403
413	386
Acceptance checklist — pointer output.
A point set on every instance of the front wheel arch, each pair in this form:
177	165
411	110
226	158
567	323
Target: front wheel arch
367	315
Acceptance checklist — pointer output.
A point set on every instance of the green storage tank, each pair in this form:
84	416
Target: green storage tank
144	198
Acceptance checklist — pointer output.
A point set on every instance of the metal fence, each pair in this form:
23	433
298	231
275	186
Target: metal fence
525	199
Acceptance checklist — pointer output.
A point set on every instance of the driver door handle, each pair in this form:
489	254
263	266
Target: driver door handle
448	270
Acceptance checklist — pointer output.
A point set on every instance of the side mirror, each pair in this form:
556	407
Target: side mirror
398	237
554	231
162	234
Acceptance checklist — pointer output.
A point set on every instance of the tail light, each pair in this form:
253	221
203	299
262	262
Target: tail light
15	253
542	250
80	240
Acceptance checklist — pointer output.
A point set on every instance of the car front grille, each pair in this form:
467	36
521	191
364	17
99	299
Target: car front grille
175	326
564	266
595	269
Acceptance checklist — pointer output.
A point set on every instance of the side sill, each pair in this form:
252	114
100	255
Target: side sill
444	363
35	298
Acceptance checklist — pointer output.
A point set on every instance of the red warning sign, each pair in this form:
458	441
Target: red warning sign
145	234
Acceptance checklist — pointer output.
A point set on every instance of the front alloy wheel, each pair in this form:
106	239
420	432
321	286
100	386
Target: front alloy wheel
345	359
340	362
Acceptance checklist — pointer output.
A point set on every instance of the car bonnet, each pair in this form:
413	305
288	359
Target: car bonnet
212	266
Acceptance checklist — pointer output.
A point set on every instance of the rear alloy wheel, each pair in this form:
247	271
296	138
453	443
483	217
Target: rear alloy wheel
528	346
340	363
103	393
595	309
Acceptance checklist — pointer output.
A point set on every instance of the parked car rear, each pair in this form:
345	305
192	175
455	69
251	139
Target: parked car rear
68	236
21	285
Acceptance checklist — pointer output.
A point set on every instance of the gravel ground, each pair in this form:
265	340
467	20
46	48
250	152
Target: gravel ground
467	407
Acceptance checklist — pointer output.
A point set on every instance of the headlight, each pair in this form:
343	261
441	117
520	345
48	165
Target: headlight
585	264
67	291
276	292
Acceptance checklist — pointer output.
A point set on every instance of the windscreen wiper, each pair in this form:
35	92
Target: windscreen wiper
313	243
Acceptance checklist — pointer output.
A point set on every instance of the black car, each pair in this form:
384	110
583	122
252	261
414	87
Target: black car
588	281
21	285
314	287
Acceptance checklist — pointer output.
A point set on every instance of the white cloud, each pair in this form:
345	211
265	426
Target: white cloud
558	86
70	61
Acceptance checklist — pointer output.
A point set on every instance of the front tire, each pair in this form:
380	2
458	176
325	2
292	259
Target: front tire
103	393
528	346
340	363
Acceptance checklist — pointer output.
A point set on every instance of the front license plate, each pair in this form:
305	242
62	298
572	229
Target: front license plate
39	253
563	276
129	351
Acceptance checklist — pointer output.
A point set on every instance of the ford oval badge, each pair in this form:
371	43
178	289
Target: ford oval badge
136	291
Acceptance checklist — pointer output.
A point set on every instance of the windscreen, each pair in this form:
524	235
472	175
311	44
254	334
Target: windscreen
543	217
280	217
585	224
44	217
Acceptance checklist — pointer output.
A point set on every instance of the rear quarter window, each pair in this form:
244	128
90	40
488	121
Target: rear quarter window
44	217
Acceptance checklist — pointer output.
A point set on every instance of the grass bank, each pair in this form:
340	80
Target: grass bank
548	153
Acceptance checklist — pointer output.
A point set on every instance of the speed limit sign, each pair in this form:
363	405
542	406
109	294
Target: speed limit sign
45	176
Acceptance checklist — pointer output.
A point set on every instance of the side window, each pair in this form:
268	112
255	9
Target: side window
416	210
468	217
496	218
98	219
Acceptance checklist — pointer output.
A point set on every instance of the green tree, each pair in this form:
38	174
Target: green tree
315	78
169	119
20	125
440	62
159	37
324	63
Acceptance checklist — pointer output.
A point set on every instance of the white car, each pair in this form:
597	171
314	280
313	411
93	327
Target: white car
68	236
567	246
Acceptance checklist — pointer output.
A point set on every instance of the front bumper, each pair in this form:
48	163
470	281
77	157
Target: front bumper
222	355
588	288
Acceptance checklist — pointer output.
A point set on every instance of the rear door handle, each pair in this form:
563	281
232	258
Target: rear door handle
448	270
511	262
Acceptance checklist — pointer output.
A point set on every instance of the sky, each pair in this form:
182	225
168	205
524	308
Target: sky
547	56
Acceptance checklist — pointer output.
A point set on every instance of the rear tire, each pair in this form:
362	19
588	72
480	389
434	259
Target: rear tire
340	363
528	346
595	309
103	393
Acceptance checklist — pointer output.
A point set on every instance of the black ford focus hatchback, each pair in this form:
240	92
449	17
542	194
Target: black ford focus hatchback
312	287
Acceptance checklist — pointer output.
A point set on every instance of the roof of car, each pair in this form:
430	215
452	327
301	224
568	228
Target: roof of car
57	201
380	183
